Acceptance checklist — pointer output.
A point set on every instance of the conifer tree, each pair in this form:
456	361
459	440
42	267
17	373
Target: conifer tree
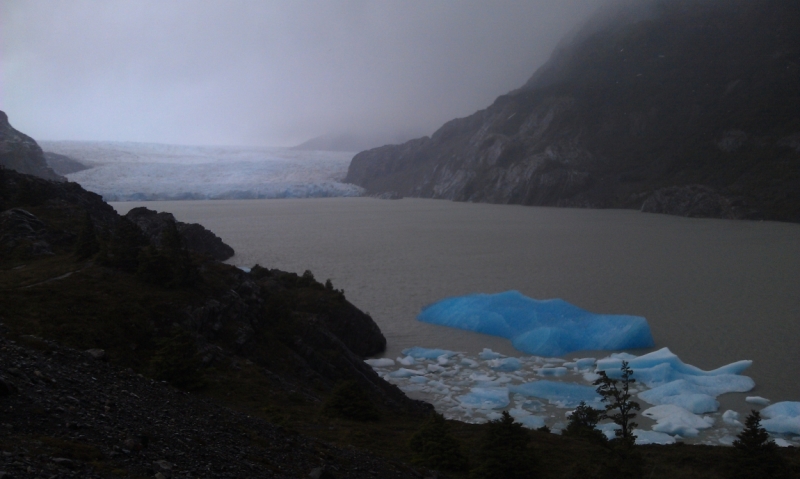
504	452
583	422
619	407
756	454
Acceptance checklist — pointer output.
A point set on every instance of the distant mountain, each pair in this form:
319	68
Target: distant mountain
349	142
20	152
687	107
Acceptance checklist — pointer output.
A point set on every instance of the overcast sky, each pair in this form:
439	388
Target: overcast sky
266	72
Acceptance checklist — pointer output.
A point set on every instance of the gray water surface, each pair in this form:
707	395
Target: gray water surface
713	291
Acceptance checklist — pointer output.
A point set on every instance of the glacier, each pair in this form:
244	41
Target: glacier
550	327
539	391
127	171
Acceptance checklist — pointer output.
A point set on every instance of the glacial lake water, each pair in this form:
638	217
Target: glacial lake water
713	291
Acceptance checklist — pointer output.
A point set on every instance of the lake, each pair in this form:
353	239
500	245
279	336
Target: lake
713	291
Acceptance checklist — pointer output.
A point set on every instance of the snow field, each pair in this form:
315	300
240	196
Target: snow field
683	397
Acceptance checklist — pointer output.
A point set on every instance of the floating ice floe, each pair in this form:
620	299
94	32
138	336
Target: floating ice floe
485	398
758	400
677	383
675	420
732	418
424	353
380	362
477	389
782	418
550	327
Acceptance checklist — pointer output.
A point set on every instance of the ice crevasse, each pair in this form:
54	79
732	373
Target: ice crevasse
550	327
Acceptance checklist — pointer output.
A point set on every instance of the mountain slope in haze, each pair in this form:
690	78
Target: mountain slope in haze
691	109
21	153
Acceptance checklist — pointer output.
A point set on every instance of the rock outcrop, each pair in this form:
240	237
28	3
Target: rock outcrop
693	201
21	153
197	238
63	164
684	93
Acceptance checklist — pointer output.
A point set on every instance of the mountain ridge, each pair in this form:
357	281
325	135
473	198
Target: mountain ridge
681	98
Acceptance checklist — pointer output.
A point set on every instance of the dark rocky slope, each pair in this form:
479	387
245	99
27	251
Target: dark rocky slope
68	413
688	102
21	153
63	164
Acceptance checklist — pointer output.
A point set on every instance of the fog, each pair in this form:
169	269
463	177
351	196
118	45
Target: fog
265	73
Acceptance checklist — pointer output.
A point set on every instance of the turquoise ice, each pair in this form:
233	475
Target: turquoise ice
550	327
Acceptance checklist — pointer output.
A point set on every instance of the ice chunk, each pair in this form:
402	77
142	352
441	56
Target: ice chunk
683	393
731	417
674	420
663	366
380	362
783	408
487	354
505	364
559	371
652	437
418	380
425	353
562	394
583	363
548	328
407	361
405	373
608	429
526	418
784	418
485	398
757	400
470	363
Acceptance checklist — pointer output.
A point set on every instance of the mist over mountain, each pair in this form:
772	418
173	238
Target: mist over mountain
351	141
685	107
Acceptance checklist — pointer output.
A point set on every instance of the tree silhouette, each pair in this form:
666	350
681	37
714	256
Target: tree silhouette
756	454
503	452
619	407
583	422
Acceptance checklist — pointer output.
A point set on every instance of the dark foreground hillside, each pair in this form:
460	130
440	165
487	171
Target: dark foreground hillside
688	107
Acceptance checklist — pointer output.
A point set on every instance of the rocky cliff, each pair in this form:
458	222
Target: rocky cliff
21	153
703	96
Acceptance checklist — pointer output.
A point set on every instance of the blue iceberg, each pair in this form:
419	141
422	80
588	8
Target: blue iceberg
550	327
